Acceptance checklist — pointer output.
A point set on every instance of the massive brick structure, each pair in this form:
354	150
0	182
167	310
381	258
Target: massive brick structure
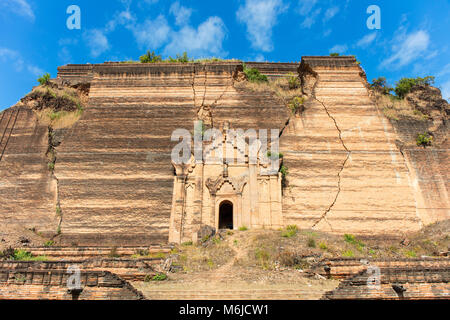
116	185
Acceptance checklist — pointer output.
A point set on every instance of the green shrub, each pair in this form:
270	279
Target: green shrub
348	253
424	139
381	85
404	85
51	166
411	254
296	104
150	57
262	256
323	246
44	80
188	243
290	231
311	242
334	54
293	81
274	155
349	238
243	228
22	255
253	75
284	174
49	243
159	277
180	58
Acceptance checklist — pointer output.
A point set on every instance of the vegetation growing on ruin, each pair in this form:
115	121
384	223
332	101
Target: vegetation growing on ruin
396	107
55	105
380	85
297	105
290	231
156	277
152	57
334	54
44	80
20	255
404	85
253	75
424	139
293	248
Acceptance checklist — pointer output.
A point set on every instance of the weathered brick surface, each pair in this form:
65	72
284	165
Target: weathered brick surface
418	283
52	285
343	268
134	270
114	166
346	174
27	191
93	252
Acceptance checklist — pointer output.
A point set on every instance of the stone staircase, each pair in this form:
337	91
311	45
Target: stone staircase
250	294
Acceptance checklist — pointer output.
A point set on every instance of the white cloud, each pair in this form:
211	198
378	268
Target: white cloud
330	13
327	32
122	18
15	59
407	48
19	7
445	70
96	41
366	40
446	91
182	14
36	71
260	16
339	48
311	19
204	41
151	34
306	6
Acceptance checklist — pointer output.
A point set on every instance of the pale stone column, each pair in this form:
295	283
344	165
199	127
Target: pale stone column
253	192
178	208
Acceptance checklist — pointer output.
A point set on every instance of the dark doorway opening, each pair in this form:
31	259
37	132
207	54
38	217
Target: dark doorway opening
226	215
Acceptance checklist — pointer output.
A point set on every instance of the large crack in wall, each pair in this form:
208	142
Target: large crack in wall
323	217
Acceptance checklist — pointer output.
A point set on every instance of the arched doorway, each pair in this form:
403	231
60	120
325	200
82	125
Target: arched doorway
226	215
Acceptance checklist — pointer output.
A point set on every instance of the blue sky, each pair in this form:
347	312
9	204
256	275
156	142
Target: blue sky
413	39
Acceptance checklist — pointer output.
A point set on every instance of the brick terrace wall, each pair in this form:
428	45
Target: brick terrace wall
429	167
342	268
27	190
133	270
52	284
420	283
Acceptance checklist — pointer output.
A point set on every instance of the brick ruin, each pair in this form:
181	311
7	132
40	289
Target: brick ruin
116	185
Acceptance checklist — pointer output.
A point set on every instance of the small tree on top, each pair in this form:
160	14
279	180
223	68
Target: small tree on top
150	57
404	85
380	85
44	80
